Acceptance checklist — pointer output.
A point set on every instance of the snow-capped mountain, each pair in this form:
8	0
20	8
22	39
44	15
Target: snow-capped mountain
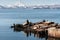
20	5
16	5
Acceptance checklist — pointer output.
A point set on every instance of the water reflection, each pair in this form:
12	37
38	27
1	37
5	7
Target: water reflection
28	33
50	38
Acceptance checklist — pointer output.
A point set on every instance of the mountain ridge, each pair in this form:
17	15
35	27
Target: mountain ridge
34	6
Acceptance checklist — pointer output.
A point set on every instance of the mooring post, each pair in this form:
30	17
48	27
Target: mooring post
46	33
14	25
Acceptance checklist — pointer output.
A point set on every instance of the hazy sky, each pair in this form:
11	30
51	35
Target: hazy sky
29	2
7	2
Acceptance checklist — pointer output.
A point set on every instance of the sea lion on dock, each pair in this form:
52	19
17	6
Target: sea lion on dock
26	23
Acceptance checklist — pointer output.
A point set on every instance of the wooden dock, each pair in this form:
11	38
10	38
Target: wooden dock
39	27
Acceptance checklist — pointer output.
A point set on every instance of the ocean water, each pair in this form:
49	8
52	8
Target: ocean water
18	16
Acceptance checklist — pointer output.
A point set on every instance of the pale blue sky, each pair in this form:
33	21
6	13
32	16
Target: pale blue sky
40	2
30	2
7	2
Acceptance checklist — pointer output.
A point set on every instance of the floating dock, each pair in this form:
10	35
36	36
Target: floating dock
44	28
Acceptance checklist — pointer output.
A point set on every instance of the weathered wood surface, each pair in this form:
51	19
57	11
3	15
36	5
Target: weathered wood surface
53	32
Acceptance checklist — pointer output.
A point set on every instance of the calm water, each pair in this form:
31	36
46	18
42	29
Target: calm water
10	16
